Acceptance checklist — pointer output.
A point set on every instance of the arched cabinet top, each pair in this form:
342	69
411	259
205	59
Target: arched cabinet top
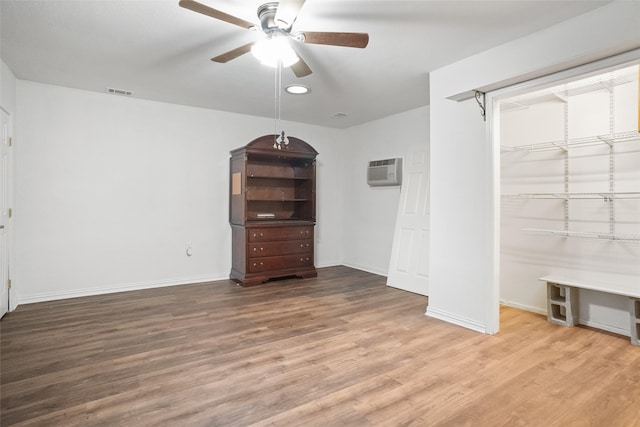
266	146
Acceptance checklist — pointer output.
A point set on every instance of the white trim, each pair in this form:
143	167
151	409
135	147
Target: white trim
367	269
605	327
584	70
51	296
329	264
494	208
524	307
456	320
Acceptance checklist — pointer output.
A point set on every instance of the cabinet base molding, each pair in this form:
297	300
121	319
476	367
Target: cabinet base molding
247	280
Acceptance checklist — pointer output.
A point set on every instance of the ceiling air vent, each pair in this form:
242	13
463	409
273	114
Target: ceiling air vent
119	91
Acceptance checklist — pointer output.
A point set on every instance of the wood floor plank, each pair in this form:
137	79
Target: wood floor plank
339	349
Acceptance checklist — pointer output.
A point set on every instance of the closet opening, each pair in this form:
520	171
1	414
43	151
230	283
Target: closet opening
569	193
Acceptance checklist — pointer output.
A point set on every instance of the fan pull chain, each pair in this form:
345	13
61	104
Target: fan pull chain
276	116
279	140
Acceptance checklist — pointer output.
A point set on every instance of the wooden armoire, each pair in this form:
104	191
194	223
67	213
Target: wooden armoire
272	210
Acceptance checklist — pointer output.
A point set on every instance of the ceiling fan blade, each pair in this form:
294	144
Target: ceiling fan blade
287	12
360	40
300	68
233	54
214	13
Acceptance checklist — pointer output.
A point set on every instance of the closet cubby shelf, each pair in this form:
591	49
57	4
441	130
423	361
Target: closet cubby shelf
628	237
563	145
575	196
564	91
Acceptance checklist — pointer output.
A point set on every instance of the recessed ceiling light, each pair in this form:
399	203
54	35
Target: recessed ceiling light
297	89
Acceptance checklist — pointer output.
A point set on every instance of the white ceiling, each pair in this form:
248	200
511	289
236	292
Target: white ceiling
161	51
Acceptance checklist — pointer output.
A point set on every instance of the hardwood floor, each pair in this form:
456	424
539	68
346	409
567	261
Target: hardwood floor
339	349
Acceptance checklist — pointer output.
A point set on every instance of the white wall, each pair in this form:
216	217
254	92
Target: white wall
464	232
111	189
7	88
369	213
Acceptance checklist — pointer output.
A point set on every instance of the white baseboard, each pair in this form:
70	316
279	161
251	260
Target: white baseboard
456	319
605	327
594	324
367	269
52	296
524	307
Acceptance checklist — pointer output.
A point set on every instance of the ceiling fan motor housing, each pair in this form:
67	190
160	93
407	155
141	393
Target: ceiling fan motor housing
267	14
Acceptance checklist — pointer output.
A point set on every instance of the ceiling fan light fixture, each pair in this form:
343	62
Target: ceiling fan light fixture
274	49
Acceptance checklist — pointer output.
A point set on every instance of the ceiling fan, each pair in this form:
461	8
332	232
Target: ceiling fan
276	20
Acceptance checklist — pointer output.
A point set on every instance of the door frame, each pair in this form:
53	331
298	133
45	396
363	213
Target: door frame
8	226
492	104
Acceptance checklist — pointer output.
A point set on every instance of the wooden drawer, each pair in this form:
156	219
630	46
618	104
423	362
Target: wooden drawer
266	249
273	234
257	265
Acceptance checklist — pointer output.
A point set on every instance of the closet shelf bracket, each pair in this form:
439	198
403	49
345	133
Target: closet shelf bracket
480	99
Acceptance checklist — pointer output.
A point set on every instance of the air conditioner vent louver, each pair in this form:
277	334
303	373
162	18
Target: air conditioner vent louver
382	162
384	172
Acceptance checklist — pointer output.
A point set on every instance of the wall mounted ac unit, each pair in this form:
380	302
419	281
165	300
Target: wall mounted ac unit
384	172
